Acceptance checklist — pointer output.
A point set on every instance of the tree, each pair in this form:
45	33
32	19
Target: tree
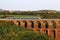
9	31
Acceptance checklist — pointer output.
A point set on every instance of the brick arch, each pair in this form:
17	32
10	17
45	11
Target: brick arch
53	24
25	23
42	24
32	24
18	23
46	24
53	34
39	24
46	32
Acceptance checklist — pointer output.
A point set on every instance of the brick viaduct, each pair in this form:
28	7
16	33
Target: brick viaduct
50	27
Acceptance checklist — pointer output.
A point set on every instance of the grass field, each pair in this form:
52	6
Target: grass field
19	16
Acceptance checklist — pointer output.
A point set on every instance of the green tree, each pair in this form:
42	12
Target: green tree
9	31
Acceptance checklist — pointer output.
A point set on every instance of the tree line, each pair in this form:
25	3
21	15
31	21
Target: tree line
47	14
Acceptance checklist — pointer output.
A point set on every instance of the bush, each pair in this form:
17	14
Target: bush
29	35
9	31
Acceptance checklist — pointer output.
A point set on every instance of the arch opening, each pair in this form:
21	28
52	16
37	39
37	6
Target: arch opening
46	24
53	24
18	23
32	24
25	24
54	34
46	32
39	24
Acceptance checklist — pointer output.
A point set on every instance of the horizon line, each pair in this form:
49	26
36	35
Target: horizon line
27	10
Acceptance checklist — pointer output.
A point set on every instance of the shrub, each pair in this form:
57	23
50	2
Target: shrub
9	31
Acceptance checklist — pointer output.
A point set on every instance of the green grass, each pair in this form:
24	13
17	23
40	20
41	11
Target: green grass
20	16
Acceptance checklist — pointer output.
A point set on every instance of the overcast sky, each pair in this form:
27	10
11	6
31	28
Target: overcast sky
30	4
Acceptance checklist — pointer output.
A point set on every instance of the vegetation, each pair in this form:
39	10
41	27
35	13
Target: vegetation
9	31
44	14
